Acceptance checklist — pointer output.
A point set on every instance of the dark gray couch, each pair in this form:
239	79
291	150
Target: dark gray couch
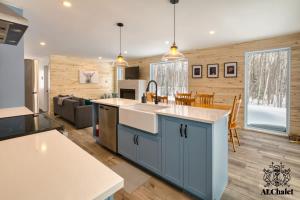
74	111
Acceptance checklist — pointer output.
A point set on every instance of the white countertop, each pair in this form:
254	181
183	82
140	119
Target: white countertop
49	166
205	115
16	111
116	102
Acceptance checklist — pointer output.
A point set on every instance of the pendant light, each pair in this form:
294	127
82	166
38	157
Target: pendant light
173	54
120	61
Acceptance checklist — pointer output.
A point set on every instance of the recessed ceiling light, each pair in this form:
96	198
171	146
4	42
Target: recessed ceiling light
212	32
125	52
99	58
167	42
43	43
67	4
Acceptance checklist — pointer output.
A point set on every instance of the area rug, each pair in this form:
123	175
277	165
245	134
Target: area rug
133	177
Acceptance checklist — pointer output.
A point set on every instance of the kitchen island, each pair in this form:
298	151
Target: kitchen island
49	166
183	145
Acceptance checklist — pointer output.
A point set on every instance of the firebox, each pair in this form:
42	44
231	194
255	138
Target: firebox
127	93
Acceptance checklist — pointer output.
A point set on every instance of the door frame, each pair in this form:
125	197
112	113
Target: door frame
246	90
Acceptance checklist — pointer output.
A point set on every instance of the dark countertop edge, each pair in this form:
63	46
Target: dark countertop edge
30	133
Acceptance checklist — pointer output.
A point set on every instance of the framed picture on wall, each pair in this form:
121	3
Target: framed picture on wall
197	71
230	70
88	77
212	70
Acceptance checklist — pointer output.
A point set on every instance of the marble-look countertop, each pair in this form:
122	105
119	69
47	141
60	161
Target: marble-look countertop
50	166
15	111
117	102
205	115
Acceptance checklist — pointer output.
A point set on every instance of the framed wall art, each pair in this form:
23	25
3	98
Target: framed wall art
197	71
230	70
212	70
88	77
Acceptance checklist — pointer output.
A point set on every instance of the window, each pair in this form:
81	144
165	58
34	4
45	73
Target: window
267	89
120	75
120	72
171	77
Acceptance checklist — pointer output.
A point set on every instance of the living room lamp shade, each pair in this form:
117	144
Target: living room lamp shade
173	54
120	60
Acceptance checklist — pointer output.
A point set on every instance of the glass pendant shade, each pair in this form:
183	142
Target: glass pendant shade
121	62
173	54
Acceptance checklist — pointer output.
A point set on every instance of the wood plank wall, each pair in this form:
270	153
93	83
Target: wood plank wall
226	88
64	77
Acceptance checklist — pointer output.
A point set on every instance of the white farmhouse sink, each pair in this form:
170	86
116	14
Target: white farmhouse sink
141	116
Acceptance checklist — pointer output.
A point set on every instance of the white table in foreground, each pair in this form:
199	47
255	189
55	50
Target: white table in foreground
15	111
49	166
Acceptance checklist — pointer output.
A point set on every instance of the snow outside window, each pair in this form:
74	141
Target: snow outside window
267	89
171	77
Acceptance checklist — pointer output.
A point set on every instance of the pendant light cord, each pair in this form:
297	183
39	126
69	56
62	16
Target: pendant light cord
174	23
120	40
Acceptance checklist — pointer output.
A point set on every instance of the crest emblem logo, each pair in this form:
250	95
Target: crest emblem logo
276	175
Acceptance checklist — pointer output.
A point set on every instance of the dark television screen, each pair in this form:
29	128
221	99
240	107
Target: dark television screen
132	73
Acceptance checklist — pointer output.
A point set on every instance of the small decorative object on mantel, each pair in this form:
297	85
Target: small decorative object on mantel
88	77
230	70
197	71
212	70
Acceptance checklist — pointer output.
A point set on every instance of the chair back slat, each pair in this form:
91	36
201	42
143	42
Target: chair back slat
204	99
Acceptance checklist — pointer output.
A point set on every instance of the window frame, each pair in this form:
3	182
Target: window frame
246	91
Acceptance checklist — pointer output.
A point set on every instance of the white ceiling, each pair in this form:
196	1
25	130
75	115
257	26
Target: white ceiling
88	28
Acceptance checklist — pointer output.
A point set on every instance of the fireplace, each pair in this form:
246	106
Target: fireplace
127	93
131	89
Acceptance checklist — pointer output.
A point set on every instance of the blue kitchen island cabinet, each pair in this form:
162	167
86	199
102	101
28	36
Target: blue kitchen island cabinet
195	155
140	147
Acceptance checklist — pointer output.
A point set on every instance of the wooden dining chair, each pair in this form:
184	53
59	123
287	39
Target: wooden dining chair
164	99
150	96
204	100
184	101
233	121
184	95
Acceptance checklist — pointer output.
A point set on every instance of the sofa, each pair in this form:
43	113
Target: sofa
74	110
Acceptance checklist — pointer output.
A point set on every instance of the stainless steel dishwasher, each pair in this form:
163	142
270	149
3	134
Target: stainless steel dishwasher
108	120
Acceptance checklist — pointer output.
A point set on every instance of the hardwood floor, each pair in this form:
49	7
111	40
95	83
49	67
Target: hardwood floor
257	151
